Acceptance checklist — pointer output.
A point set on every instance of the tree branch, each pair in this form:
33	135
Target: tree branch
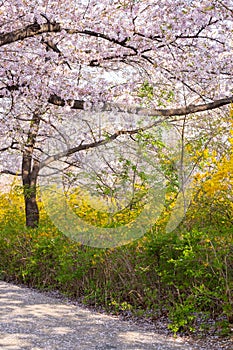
29	31
37	29
12	146
124	43
225	6
80	104
120	108
9	172
85	146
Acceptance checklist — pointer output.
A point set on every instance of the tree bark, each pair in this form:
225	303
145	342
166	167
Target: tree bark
32	211
29	178
30	170
28	31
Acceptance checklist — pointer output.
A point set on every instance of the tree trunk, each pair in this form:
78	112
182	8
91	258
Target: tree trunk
30	170
29	186
31	210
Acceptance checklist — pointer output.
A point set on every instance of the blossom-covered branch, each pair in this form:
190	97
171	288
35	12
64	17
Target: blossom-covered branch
28	31
169	112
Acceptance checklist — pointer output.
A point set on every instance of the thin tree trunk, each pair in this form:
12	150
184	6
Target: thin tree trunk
30	170
29	185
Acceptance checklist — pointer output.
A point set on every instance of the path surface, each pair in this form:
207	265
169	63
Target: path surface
31	320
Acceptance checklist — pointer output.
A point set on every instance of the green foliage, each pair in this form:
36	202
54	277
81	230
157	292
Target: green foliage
146	91
182	316
196	267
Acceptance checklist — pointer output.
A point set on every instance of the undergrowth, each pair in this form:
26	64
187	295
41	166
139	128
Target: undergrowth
186	275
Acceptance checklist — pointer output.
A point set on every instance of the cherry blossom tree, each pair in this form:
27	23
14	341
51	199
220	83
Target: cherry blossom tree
59	59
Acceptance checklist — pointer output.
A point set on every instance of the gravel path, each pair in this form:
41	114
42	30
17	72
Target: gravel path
31	320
